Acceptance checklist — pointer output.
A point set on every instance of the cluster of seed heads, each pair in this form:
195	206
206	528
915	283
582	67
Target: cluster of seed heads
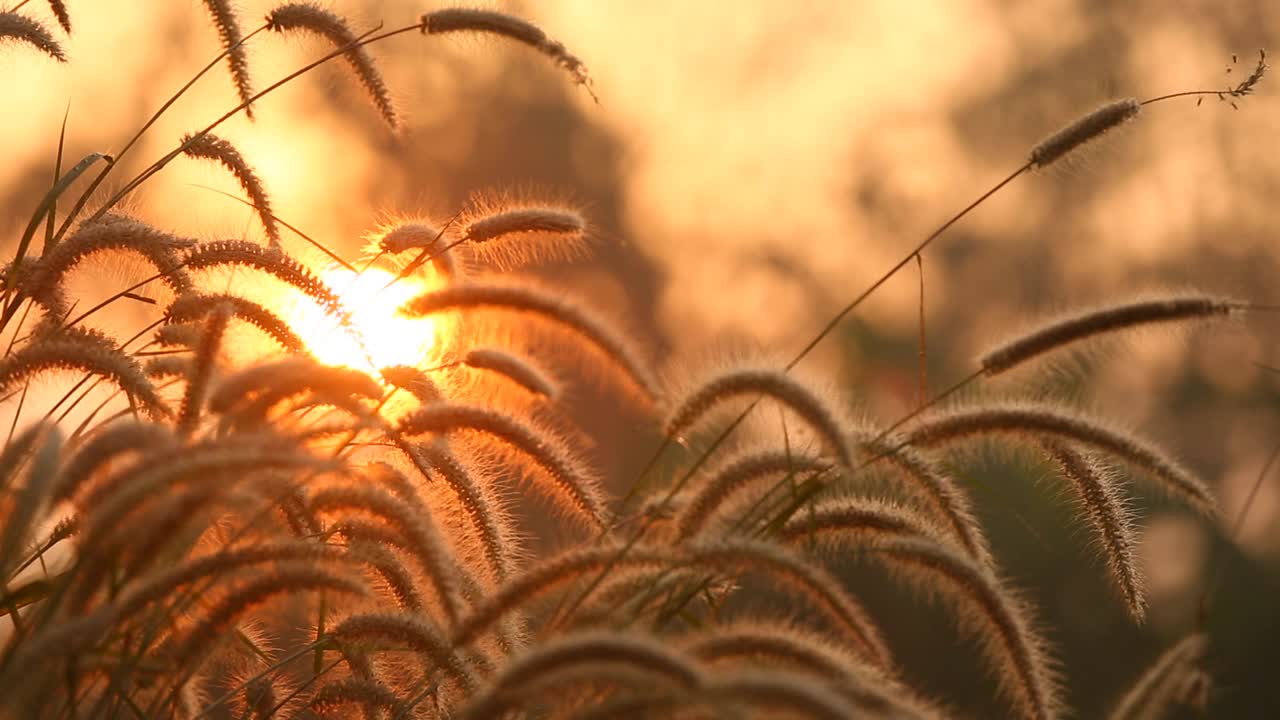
226	519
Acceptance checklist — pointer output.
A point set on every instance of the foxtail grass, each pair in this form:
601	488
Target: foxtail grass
279	536
20	28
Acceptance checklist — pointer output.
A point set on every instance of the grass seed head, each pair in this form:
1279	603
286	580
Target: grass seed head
212	147
19	27
474	20
1078	326
310	17
229	33
59	9
1089	127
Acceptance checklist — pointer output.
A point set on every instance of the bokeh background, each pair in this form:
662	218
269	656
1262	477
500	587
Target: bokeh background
748	169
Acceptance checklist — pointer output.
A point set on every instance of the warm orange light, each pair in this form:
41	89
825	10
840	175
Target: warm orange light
378	335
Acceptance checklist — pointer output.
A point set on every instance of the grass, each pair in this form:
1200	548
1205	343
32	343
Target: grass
288	537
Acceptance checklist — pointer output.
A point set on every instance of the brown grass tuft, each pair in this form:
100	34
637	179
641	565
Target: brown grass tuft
405	630
991	613
285	579
769	644
59	9
1159	687
111	234
315	19
1099	495
224	19
496	537
31	498
263	385
1081	325
781	692
15	26
422	536
508	235
391	570
736	474
333	695
104	447
419	236
185	335
572	486
160	585
194	306
412	380
1038	421
949	503
58	351
241	253
1081	131
450	20
408	236
546	574
861	522
803	578
167	367
518	370
202	367
212	147
551	305
593	653
773	383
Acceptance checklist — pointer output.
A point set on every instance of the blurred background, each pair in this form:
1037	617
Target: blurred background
749	168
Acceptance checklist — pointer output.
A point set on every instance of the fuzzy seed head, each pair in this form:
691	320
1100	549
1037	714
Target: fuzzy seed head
212	147
451	20
518	370
1075	327
1087	128
224	19
573	487
1040	421
550	305
310	17
15	26
59	9
822	416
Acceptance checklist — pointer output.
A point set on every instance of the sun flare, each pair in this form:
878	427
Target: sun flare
378	335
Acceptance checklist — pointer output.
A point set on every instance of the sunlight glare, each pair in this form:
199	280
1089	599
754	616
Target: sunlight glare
379	336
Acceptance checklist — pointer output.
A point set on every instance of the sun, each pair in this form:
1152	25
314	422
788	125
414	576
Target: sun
378	335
